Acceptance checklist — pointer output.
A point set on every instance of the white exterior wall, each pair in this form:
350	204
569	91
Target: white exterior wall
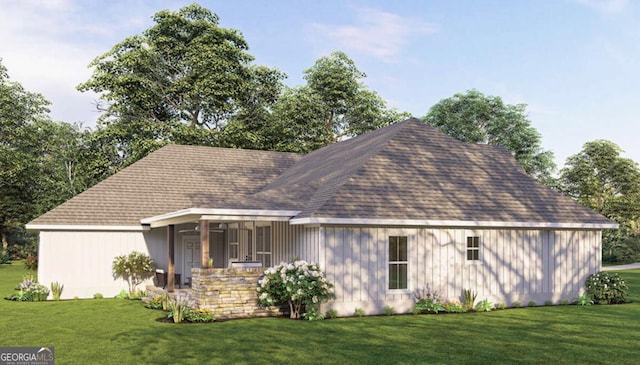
82	260
514	265
294	242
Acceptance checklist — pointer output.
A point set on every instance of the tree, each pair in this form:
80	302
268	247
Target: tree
134	268
600	178
476	118
21	112
333	105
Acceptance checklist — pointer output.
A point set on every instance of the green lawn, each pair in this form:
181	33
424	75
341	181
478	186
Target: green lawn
112	331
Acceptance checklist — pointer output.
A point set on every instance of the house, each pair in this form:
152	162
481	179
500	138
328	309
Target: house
384	214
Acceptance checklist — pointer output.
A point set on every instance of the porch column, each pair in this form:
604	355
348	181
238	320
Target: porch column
171	268
204	243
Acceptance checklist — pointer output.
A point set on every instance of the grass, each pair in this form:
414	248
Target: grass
115	331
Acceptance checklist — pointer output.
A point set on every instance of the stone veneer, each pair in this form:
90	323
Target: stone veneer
229	293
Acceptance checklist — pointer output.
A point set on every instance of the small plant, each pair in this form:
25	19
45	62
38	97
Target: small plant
359	312
179	307
165	299
532	304
548	302
98	296
606	288
28	281
39	293
454	307
312	314
210	262
583	299
331	314
122	295
154	303
469	297
56	290
76	298
134	268
564	302
501	306
389	310
484	306
202	315
517	304
427	301
31	263
138	295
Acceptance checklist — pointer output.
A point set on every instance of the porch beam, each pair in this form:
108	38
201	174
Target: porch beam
171	266
204	243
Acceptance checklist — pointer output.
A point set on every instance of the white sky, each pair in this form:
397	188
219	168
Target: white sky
574	62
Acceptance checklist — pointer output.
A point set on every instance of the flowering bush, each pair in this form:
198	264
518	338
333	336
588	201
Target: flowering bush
297	283
606	288
201	315
30	290
134	268
454	307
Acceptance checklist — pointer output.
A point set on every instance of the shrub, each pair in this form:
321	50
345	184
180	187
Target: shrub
484	306
359	312
517	304
29	290
138	295
564	302
389	310
31	263
312	314
134	268
4	257
532	303
154	303
202	315
300	284
454	307
56	290
39	293
332	314
469	298
179	307
583	299
122	295
548	302
427	301
98	296
501	306
606	288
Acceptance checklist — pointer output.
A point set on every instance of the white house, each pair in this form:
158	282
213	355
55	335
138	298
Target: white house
384	214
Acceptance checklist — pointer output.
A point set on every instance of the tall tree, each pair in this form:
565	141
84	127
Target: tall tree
334	104
182	80
601	179
20	112
476	118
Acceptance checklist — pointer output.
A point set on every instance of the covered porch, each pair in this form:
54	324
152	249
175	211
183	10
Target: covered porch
214	239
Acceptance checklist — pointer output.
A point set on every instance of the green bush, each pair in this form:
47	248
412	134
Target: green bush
583	299
484	306
359	312
427	305
548	302
532	304
606	288
29	290
312	314
56	290
517	304
134	268
155	303
98	296
201	315
31	263
389	310
455	307
332	314
469	298
5	258
180	307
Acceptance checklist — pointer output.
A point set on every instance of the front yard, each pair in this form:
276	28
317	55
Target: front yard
117	331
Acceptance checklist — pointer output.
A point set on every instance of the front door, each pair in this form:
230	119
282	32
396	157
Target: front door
191	255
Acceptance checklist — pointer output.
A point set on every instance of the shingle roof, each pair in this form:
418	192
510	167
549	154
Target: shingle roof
407	171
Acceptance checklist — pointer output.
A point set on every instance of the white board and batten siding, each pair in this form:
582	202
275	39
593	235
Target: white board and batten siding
294	242
514	265
82	260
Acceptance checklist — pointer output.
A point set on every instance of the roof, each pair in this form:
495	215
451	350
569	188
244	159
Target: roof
406	174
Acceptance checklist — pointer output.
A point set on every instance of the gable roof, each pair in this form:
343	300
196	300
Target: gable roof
406	174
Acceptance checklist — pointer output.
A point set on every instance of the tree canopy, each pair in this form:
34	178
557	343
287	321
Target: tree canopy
476	118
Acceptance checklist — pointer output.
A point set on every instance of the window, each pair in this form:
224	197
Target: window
398	262
263	245
473	248
233	244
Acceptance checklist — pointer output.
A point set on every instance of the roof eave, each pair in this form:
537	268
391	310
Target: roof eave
78	227
196	214
450	223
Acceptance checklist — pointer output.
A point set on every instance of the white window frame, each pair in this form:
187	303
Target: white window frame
473	248
398	235
264	254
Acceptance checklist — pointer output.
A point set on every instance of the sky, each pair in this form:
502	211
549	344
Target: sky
573	62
